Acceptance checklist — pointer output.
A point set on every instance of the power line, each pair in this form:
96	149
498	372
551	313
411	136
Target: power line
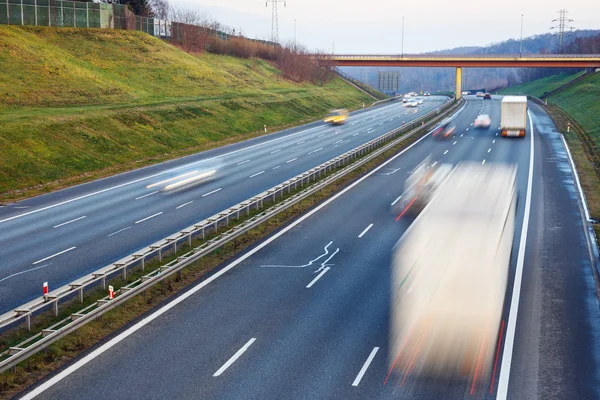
275	19
561	26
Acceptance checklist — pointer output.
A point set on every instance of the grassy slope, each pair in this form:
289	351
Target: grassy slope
76	104
540	86
582	102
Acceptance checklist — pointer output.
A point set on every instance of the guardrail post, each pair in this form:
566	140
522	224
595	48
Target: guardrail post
190	239
27	314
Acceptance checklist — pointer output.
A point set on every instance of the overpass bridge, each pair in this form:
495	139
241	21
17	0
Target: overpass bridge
465	61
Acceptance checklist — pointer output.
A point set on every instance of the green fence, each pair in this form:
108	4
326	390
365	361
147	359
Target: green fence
63	14
88	15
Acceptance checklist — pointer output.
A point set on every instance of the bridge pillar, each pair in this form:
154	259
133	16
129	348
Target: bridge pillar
458	83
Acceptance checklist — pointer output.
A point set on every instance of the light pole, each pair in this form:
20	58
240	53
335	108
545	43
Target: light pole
521	47
294	33
402	37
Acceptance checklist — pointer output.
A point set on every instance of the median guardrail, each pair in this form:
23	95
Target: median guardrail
328	171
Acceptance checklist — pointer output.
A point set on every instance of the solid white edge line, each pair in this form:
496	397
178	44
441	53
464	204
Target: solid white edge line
23	272
365	366
147	218
317	278
213	192
184	204
509	340
365	231
574	169
53	255
257	174
68	222
234	357
173	303
146	195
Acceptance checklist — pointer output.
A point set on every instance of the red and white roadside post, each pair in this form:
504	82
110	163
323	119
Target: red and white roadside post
568	127
111	292
265	128
45	291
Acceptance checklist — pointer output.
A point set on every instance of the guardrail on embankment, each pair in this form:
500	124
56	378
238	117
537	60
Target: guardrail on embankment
322	175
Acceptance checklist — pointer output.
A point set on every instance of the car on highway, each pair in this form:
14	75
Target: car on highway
426	94
445	130
420	101
466	92
336	117
411	104
480	94
482	121
405	100
487	96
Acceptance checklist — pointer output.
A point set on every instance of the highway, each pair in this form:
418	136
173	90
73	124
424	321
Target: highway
304	314
61	236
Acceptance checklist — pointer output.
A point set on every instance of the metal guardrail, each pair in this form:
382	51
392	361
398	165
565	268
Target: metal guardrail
42	340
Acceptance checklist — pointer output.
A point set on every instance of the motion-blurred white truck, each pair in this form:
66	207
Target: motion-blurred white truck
449	276
514	116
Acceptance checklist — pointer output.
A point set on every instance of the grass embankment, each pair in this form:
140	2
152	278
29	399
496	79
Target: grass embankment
579	104
538	87
77	104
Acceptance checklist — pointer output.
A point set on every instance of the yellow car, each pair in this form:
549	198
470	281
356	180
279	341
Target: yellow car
336	117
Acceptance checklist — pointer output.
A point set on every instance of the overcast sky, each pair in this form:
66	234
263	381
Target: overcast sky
375	26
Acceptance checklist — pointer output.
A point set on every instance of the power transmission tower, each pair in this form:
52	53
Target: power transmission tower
561	26
275	19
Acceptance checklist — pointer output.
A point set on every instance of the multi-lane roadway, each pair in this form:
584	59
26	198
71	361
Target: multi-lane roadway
304	314
59	237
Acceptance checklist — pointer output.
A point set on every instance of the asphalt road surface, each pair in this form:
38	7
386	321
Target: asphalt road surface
59	237
304	314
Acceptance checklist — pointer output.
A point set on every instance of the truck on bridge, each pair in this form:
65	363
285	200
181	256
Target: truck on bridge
449	276
514	116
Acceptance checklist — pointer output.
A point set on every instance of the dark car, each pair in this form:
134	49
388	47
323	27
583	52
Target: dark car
445	130
487	96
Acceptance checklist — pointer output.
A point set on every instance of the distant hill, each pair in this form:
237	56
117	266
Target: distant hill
416	79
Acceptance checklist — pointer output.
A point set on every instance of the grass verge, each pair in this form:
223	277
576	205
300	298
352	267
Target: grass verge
586	160
80	104
66	349
539	87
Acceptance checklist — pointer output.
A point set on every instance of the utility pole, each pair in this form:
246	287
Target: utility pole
402	37
521	47
275	19
561	26
295	34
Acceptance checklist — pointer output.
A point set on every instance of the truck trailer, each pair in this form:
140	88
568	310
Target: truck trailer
514	116
449	276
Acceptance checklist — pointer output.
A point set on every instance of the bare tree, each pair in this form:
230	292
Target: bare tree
160	8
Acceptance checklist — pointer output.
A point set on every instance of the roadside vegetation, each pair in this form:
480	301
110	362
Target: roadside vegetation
78	104
541	86
579	105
